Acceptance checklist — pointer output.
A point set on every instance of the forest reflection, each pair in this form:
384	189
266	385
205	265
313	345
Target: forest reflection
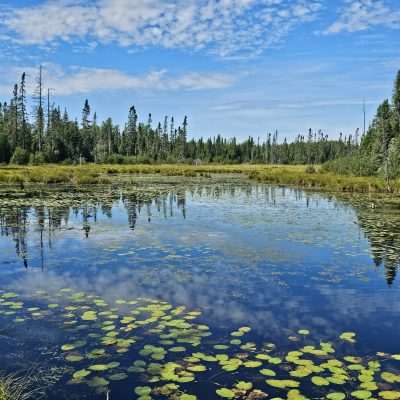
22	221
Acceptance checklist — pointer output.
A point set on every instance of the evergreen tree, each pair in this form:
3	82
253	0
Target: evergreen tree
66	140
131	132
39	112
21	114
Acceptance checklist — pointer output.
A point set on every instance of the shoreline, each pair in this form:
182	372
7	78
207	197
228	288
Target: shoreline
291	175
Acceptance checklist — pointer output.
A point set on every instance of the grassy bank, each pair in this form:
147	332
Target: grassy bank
281	175
95	173
326	181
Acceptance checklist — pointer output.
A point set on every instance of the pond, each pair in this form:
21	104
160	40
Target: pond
207	288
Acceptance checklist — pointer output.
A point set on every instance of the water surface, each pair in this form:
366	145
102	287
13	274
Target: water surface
185	266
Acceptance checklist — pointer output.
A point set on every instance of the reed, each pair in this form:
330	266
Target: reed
311	178
16	387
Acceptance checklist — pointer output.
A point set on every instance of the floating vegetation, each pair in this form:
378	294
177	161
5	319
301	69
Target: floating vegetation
313	370
348	336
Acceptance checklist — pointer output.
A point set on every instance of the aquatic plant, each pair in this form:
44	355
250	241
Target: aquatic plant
166	341
20	387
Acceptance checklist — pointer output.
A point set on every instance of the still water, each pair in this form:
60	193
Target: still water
207	288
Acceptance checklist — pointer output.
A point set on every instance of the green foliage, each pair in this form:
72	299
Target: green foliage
5	149
378	154
393	158
356	164
37	158
56	138
277	174
396	94
20	156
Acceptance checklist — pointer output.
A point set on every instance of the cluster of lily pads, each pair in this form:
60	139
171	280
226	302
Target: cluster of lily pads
174	356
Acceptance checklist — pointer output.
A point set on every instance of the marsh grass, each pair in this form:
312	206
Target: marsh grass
16	387
326	181
29	385
301	176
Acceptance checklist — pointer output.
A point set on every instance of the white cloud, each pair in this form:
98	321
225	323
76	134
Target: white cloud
224	27
360	15
273	106
75	80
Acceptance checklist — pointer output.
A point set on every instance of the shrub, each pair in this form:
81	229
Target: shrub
37	158
67	161
352	165
144	159
20	157
114	159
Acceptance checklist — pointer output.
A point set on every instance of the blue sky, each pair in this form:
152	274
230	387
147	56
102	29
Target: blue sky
235	67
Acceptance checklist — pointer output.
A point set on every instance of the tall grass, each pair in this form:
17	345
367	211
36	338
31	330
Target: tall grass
327	181
302	176
94	173
15	387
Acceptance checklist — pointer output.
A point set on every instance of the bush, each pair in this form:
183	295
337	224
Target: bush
393	162
67	161
37	158
359	165
20	157
144	159
171	159
114	159
310	169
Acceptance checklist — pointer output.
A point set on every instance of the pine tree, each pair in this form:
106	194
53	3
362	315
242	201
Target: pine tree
86	115
39	112
396	105
14	120
131	132
396	94
87	139
22	113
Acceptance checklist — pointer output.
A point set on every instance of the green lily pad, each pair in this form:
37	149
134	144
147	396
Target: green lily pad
361	394
282	383
225	393
348	337
319	381
389	395
83	373
267	372
118	377
336	396
99	367
242	385
186	396
142	390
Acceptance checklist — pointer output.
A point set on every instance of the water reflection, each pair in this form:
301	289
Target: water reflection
383	232
35	226
275	259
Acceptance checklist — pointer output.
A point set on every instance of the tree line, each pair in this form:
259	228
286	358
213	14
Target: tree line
48	134
379	150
